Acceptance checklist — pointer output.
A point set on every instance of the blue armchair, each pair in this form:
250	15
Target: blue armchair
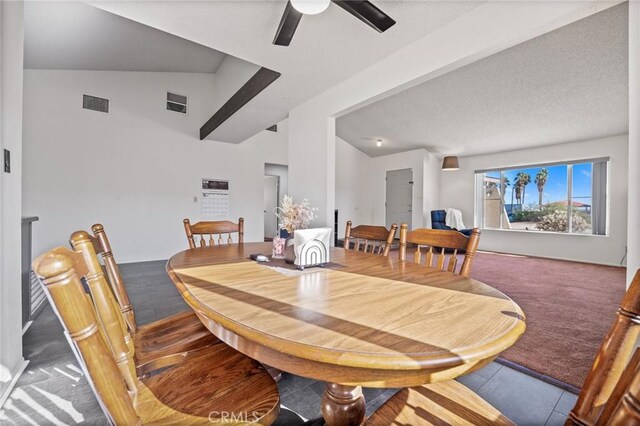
438	219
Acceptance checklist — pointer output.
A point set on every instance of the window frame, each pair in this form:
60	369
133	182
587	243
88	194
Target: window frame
479	176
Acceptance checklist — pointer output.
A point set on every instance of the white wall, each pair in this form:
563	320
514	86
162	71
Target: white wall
458	192
432	187
11	59
405	160
274	147
633	260
136	169
361	184
353	186
312	143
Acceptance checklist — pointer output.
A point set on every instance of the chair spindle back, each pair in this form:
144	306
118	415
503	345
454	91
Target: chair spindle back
369	239
213	232
623	407
438	242
599	398
59	271
102	246
107	310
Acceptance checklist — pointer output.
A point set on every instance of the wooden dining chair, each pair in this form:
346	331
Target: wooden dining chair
213	232
369	239
610	394
612	386
441	243
216	385
157	343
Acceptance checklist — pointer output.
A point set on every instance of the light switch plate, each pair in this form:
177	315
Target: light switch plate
7	161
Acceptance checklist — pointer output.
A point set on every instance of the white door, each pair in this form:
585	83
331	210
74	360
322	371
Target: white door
271	184
399	197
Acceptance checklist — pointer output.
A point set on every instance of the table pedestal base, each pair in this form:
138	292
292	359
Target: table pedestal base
343	405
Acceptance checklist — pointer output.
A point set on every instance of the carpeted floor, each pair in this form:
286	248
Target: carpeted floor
569	307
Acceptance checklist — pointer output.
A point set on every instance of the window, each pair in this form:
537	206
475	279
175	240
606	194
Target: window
561	197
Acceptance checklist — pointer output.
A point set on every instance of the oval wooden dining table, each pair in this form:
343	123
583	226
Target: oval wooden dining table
362	320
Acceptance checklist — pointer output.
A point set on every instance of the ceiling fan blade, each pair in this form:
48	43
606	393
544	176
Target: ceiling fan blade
368	13
288	24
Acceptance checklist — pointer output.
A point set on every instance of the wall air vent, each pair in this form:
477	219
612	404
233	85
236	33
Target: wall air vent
177	103
95	103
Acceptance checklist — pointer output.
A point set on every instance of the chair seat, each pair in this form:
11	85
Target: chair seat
435	404
167	341
215	384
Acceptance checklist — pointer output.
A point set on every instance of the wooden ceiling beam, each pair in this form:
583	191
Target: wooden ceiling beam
256	84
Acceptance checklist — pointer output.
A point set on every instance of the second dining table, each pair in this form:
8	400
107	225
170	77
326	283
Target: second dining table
362	320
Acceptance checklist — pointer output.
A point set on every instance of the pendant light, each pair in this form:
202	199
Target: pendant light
450	163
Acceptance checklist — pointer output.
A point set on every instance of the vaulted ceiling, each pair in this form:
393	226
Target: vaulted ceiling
567	85
327	48
77	36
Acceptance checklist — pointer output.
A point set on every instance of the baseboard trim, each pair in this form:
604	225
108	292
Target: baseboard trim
562	259
539	376
5	390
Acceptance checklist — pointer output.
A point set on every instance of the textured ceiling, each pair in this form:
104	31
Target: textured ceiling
76	36
326	49
567	85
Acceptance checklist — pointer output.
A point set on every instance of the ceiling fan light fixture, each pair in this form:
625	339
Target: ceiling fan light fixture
450	163
310	7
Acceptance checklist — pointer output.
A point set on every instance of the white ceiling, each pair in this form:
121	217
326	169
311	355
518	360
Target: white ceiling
567	85
326	49
77	36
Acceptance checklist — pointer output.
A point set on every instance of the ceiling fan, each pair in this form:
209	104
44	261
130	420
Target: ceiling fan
361	9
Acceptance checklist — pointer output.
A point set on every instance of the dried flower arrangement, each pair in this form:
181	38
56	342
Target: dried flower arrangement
295	215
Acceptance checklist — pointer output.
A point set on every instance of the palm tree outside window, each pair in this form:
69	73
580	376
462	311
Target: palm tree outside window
571	197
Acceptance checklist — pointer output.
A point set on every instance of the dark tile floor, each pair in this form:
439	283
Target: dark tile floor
53	390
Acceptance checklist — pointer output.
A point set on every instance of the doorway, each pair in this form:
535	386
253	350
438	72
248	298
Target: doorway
271	197
399	197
